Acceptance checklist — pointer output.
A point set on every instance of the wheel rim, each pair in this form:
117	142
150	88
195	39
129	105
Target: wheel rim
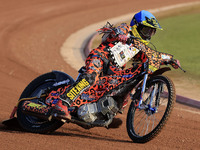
146	120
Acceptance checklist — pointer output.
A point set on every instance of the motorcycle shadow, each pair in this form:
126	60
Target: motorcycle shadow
90	137
76	132
13	126
10	125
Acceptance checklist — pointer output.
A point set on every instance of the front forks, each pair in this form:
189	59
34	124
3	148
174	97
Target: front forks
143	105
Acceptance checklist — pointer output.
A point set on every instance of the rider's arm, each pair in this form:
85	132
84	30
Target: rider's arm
168	59
165	58
154	56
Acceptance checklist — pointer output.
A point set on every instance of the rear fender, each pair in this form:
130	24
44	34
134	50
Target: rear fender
62	78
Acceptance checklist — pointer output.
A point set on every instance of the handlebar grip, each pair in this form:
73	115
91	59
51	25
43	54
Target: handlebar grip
178	65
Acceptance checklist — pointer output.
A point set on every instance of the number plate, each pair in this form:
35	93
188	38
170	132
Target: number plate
122	53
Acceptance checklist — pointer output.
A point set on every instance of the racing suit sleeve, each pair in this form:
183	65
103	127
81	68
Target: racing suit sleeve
165	58
155	58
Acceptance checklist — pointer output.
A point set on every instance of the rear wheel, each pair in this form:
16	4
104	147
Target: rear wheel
31	123
159	97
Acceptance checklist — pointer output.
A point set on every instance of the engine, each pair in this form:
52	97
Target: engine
90	112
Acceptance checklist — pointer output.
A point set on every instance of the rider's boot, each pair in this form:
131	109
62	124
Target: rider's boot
60	110
68	94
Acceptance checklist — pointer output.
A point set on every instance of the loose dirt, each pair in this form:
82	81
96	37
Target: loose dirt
31	35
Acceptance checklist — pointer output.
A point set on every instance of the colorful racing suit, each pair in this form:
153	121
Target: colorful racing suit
100	68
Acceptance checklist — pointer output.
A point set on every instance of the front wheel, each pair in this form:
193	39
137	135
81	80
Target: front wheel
159	97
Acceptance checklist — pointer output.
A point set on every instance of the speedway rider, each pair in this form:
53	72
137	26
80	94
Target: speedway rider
101	61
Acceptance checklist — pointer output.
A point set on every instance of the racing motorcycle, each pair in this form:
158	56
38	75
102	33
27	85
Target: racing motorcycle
152	97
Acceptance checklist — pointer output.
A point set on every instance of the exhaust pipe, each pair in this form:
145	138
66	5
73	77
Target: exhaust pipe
37	110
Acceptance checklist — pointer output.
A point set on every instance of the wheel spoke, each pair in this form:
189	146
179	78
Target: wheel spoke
154	119
148	122
140	123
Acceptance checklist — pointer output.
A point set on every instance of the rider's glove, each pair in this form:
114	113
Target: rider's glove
175	64
122	38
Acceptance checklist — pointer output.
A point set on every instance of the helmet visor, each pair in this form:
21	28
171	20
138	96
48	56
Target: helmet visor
148	31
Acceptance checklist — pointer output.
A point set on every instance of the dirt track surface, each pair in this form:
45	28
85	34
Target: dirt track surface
31	34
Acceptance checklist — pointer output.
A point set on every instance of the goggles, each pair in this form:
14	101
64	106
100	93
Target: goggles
147	31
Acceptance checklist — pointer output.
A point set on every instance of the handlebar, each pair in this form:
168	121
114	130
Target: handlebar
178	65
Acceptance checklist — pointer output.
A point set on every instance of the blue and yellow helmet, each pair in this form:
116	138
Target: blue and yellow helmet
145	23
